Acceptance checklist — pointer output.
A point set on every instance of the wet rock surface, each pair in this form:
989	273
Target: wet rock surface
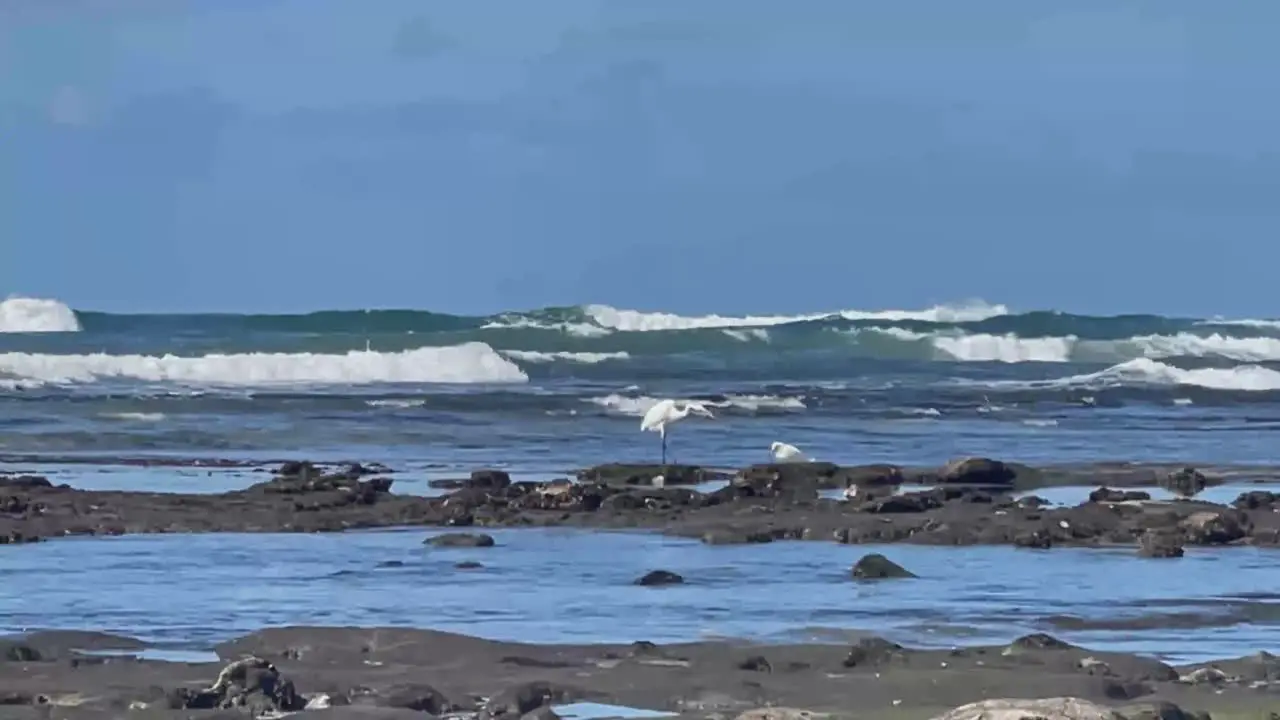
397	672
878	567
973	502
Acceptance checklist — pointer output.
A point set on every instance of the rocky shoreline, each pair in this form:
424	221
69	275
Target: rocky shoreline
968	502
403	673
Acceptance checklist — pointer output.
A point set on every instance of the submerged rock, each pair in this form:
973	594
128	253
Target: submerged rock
660	577
878	567
461	540
977	471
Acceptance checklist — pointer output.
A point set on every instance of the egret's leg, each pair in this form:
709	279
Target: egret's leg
664	448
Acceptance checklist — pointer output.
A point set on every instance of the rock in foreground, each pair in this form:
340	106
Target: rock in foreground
398	672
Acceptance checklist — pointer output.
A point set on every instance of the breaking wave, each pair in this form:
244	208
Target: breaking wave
35	315
974	331
1154	373
467	363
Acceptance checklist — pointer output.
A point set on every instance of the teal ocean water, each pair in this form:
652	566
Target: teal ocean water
549	389
88	397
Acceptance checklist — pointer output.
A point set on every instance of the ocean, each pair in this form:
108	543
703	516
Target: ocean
128	402
541	392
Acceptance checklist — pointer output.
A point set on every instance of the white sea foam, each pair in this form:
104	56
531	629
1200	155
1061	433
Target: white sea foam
1249	349
1010	348
1005	348
641	321
400	403
756	403
31	315
1246	322
590	358
1146	371
747	335
467	363
575	329
637	406
136	416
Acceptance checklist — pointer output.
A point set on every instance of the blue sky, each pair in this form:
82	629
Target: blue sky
744	156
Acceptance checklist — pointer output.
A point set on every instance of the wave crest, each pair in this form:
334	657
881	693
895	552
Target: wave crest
36	315
467	363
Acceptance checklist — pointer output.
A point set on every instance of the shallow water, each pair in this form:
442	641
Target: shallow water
1222	494
576	586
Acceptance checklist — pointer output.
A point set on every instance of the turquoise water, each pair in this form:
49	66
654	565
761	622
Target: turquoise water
543	392
188	592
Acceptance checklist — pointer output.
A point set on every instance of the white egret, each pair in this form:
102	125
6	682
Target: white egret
665	412
784	453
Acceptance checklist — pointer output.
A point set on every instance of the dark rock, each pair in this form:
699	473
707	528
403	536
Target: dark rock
756	663
872	475
525	698
794	481
251	683
1155	544
977	471
906	503
1039	641
1117	689
872	652
1160	710
11	651
620	474
1257	500
1107	495
660	577
447	484
541	713
461	540
11	697
735	537
1186	482
1035	539
468	565
298	469
24	482
643	647
1215	527
489	480
422	698
878	567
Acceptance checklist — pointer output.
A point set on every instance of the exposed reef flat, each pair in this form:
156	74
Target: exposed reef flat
971	501
397	672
